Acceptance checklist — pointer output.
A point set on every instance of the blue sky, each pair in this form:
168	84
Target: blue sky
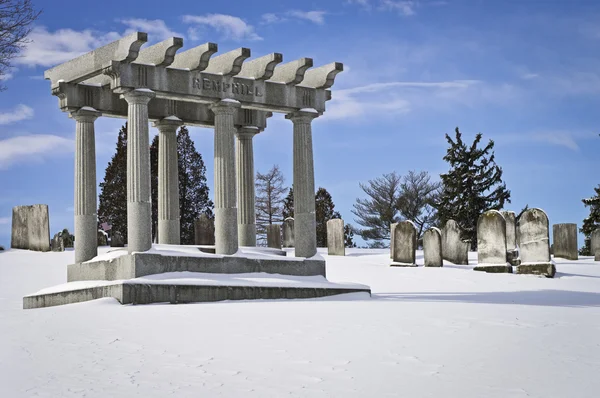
524	73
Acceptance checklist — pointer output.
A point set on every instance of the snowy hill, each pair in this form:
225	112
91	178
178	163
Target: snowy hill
425	332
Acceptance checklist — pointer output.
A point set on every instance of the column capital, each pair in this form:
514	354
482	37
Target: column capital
247	132
138	96
85	114
225	107
303	115
169	123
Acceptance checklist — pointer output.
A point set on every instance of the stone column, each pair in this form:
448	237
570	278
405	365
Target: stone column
304	184
168	182
139	203
86	217
226	228
245	186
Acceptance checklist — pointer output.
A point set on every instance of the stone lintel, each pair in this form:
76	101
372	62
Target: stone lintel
323	76
261	68
161	54
229	63
291	73
195	59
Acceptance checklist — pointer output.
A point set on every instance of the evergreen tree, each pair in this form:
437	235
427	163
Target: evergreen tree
288	204
193	190
269	201
112	207
472	186
349	236
324	211
592	222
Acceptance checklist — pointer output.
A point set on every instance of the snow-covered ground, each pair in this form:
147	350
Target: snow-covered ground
426	332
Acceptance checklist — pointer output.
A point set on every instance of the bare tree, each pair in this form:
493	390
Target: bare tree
16	17
269	201
416	201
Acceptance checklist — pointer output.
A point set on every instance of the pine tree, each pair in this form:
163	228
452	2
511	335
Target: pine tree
154	186
193	190
591	222
472	186
349	236
112	207
269	201
288	204
324	211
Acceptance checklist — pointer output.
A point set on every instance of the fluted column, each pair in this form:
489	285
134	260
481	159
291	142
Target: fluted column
168	181
86	217
226	235
139	202
304	184
245	186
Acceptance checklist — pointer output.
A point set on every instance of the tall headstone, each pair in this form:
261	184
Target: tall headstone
274	236
392	234
595	244
117	240
512	253
534	249
335	237
287	230
57	244
564	237
204	230
30	228
454	249
491	243
405	245
432	247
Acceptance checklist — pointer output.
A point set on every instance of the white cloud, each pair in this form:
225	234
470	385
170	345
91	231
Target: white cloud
156	28
405	8
6	76
228	26
558	138
313	16
29	147
272	18
566	139
52	48
5	220
20	112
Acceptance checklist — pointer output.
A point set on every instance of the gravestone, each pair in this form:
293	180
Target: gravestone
204	230
454	249
595	244
274	236
491	243
564	238
117	240
535	244
30	228
405	244
432	247
102	238
287	230
335	237
512	253
57	244
392	234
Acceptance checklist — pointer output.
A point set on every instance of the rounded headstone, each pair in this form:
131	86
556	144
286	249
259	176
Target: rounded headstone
595	244
535	236
405	243
432	247
491	238
454	249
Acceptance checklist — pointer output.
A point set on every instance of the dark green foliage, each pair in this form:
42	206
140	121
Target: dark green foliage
349	236
112	207
591	222
472	186
67	237
288	204
324	211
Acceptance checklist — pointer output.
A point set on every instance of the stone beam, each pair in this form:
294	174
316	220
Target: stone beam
195	59
75	96
90	64
228	64
291	73
323	76
161	54
261	68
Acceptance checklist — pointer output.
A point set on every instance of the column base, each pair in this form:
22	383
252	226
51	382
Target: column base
139	230
169	232
305	234
86	237
247	234
226	231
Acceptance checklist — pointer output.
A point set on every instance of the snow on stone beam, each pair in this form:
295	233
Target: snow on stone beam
161	54
228	64
323	76
291	73
261	68
195	59
90	64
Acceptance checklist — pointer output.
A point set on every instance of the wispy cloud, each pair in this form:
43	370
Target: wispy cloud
560	138
20	112
5	221
406	8
230	27
317	17
24	148
156	28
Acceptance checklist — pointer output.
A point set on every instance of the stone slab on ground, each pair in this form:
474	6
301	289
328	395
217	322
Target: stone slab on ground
495	269
543	269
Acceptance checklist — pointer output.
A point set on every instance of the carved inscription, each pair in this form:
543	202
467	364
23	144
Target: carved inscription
206	84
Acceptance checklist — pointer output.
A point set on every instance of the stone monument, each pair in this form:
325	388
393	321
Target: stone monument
335	237
534	231
204	230
432	247
57	244
454	249
30	228
392	234
405	245
512	254
287	231
274	236
491	243
564	238
595	244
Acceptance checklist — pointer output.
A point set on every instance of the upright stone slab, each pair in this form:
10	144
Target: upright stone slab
405	244
491	243
274	236
392	234
117	240
102	238
454	249
512	253
57	244
432	247
534	246
564	237
287	230
595	244
30	228
335	237
204	230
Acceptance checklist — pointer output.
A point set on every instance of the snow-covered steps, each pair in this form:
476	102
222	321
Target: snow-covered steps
192	287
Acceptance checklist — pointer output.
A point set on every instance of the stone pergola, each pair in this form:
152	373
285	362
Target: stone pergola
194	88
